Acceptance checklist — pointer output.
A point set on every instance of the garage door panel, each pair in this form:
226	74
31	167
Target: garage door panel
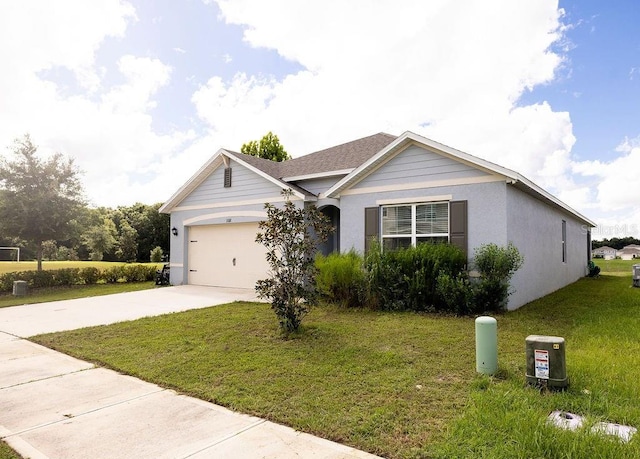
226	255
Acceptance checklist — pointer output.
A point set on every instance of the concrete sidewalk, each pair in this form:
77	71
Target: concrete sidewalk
54	406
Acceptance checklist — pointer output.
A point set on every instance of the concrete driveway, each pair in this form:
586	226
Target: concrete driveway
55	406
34	319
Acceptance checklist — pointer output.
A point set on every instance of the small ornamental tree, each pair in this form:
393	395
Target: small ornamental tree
291	236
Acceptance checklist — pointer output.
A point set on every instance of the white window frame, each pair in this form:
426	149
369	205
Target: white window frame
414	236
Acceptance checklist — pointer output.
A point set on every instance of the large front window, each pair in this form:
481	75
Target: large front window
407	225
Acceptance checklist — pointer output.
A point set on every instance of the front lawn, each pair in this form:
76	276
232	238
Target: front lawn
397	384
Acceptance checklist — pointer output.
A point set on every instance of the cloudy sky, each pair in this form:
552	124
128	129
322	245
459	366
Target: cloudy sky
141	93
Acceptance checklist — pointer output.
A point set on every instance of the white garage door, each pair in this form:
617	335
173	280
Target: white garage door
226	255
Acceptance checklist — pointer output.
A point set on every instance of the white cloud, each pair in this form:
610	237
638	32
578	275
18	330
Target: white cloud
453	71
108	130
618	179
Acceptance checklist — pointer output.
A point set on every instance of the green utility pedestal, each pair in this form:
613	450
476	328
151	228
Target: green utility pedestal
486	345
546	363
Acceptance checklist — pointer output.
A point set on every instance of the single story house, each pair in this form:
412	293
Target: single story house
606	252
629	252
401	190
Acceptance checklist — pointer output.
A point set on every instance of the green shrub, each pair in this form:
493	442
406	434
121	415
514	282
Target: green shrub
594	270
156	255
455	293
112	274
73	276
89	275
496	266
138	272
405	279
341	278
40	279
66	277
6	281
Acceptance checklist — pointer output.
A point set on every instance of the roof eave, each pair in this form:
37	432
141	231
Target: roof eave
317	175
544	195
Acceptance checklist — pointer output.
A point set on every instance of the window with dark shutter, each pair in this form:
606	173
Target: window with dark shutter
227	177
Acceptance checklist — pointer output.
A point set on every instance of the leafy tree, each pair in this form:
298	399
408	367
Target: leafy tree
268	148
100	238
151	226
156	255
65	253
291	235
38	198
49	250
127	243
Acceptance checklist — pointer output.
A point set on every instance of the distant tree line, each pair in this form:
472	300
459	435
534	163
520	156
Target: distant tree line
43	211
616	242
126	233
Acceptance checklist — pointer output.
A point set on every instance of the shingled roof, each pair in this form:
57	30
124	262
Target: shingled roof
341	157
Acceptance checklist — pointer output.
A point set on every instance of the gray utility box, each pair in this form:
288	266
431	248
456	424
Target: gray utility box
19	288
636	275
546	363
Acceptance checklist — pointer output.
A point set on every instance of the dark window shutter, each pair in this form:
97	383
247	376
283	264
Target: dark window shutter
227	177
458	224
371	226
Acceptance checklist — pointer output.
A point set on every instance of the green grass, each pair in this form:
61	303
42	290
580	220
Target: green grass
44	295
616	267
13	266
397	384
7	453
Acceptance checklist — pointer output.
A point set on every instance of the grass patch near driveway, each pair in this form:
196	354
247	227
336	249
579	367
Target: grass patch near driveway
397	384
6	452
44	295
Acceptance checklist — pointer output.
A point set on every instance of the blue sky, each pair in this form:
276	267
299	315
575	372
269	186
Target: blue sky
600	83
142	92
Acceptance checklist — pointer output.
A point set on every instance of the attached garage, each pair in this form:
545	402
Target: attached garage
225	255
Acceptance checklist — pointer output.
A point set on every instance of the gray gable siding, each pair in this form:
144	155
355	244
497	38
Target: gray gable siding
416	164
317	186
245	185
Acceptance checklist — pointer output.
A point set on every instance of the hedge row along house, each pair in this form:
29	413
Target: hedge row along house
399	190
